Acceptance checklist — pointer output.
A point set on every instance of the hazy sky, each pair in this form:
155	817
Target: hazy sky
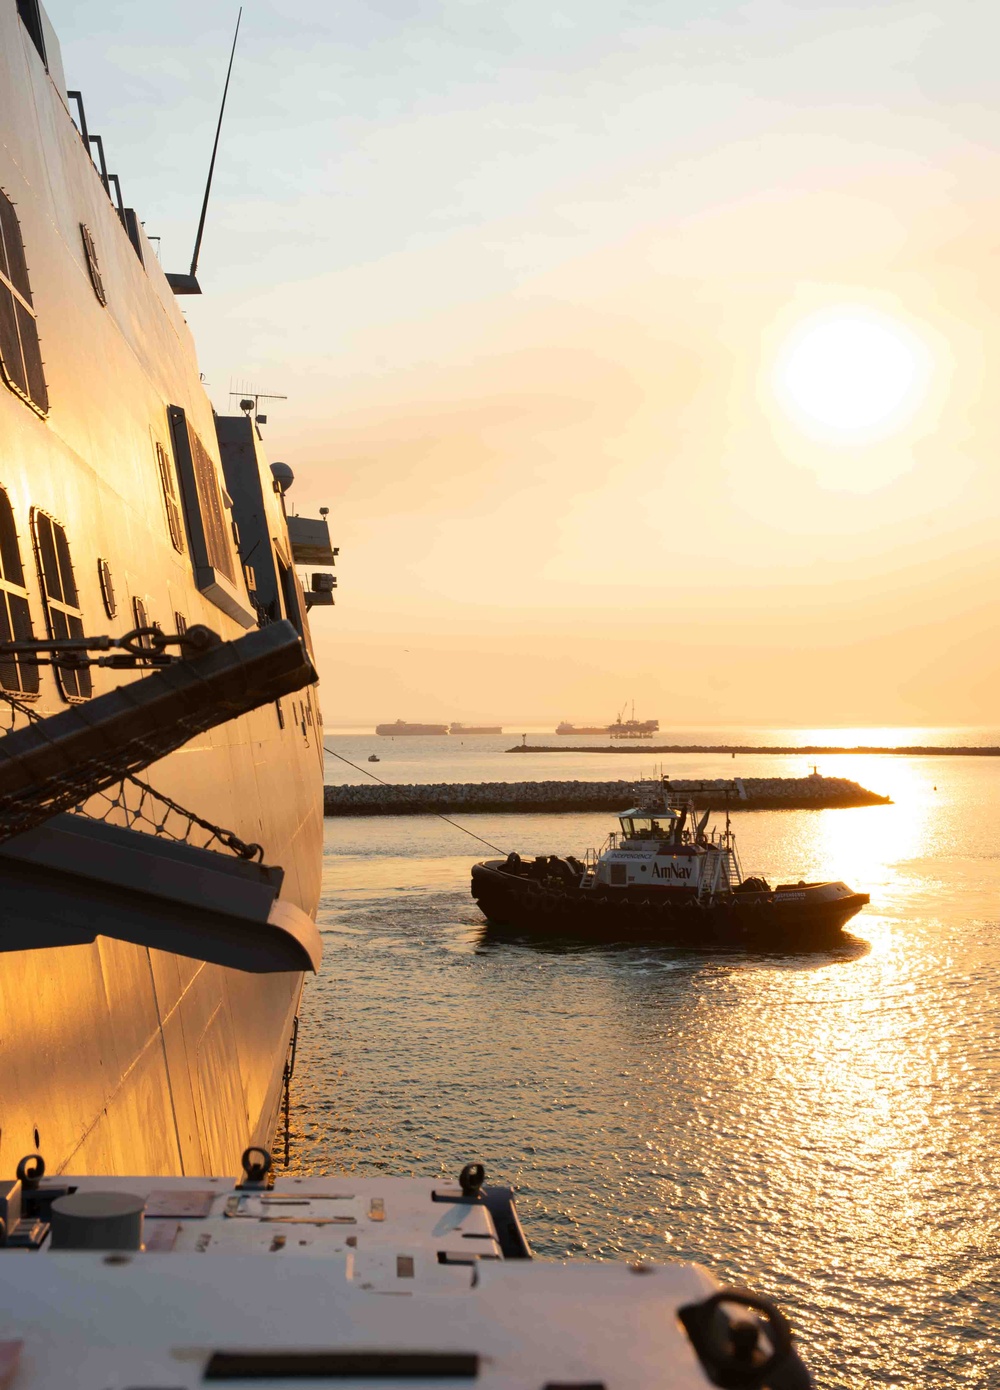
526	273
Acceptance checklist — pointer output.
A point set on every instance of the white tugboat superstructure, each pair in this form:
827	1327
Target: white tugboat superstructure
663	845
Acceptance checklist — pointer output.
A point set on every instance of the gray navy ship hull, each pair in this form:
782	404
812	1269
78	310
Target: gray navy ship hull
115	476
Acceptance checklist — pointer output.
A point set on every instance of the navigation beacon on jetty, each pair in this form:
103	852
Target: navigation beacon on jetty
159	696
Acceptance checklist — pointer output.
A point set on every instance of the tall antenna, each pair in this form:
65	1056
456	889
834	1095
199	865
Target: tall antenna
188	284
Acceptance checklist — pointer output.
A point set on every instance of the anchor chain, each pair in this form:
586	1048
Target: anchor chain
289	1072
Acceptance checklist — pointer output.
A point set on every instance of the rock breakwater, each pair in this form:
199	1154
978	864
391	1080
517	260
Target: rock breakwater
763	794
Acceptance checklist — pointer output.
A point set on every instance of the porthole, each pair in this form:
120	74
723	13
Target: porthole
107	588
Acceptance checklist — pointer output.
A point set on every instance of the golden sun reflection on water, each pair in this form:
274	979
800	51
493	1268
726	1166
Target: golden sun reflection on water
824	1128
863	847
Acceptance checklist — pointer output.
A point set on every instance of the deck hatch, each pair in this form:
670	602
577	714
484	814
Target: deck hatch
63	615
20	353
15	617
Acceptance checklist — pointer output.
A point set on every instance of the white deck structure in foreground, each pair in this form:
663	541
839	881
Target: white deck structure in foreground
327	1281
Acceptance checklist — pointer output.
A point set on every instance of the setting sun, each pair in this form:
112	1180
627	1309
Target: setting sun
851	374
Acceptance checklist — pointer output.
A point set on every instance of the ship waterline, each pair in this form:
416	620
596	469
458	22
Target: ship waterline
124	504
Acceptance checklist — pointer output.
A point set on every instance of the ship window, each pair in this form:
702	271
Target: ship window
217	533
168	482
140	618
62	601
20	353
92	266
32	21
107	588
15	617
209	534
180	624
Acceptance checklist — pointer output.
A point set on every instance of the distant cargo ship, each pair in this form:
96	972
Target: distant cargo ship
401	727
476	729
565	728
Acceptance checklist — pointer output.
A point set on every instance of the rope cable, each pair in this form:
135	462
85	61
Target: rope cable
465	830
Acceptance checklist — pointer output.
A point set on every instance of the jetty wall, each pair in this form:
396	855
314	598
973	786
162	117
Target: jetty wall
763	794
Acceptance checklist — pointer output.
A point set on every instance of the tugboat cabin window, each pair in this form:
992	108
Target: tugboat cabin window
210	535
62	602
646	827
20	354
21	678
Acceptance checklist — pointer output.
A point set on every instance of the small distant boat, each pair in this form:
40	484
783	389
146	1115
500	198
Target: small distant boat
565	728
374	758
476	729
664	877
401	727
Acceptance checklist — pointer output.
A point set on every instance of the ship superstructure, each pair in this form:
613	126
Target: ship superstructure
127	507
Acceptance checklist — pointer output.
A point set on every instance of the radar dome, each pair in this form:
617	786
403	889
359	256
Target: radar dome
283	476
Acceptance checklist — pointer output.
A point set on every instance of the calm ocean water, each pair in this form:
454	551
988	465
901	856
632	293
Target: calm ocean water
825	1129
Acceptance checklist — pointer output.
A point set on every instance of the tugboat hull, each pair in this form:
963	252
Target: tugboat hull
805	917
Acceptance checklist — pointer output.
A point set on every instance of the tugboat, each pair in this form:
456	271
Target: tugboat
664	876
